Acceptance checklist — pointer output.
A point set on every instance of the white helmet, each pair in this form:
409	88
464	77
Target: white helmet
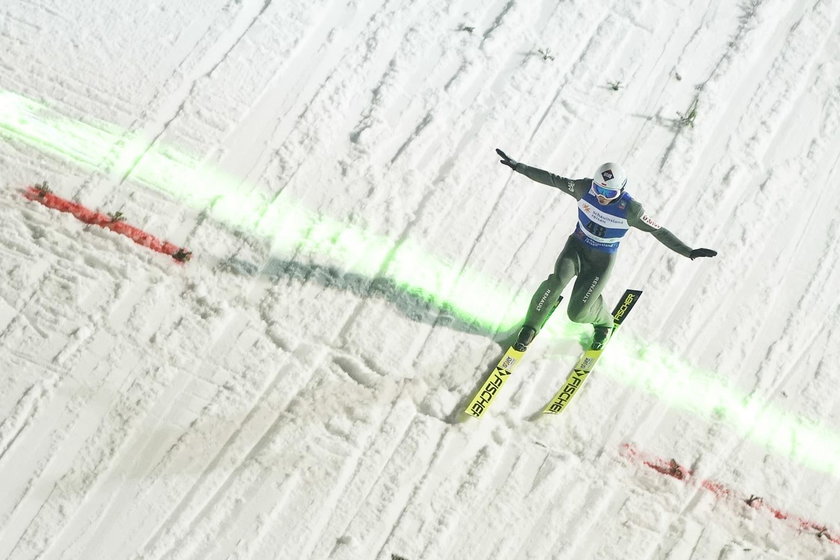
609	180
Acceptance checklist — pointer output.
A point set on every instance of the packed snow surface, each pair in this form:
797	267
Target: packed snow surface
360	260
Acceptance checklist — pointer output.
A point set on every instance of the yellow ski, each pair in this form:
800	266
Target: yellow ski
491	386
574	382
589	358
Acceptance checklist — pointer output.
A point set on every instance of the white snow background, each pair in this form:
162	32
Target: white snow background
293	391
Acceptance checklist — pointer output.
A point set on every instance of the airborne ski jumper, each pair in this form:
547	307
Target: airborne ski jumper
605	213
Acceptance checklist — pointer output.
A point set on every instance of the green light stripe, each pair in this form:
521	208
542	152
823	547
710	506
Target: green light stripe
286	224
704	394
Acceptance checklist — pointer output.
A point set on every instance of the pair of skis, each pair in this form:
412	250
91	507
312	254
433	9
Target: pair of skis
575	380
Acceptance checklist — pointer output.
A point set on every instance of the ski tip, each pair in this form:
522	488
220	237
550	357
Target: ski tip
628	300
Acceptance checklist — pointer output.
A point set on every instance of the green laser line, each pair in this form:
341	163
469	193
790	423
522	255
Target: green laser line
701	392
290	228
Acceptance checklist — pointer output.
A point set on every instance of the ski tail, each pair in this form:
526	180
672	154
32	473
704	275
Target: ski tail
494	382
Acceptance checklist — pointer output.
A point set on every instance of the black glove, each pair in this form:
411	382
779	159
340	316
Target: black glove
701	253
506	160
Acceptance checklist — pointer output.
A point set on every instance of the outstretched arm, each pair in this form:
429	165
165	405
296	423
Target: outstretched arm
574	187
637	218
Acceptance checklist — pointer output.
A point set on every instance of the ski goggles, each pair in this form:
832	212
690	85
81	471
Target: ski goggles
604	191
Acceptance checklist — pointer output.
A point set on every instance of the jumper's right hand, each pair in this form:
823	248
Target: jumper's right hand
506	160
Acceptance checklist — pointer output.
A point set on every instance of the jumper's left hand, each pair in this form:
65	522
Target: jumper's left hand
702	253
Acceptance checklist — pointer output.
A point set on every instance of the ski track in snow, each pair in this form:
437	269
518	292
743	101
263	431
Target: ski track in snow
261	403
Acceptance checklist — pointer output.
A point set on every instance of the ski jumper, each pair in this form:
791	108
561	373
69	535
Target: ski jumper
590	251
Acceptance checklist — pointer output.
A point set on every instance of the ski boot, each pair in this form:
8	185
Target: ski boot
526	336
601	336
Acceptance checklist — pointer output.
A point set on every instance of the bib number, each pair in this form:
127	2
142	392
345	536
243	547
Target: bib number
596	230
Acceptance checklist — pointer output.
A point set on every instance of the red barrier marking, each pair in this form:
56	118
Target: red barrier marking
670	467
42	194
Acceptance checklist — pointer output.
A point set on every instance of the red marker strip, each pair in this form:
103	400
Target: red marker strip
42	194
670	467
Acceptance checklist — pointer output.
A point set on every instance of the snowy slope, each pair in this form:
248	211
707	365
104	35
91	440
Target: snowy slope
360	258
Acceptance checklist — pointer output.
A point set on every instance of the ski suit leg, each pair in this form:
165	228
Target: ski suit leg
586	304
548	294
